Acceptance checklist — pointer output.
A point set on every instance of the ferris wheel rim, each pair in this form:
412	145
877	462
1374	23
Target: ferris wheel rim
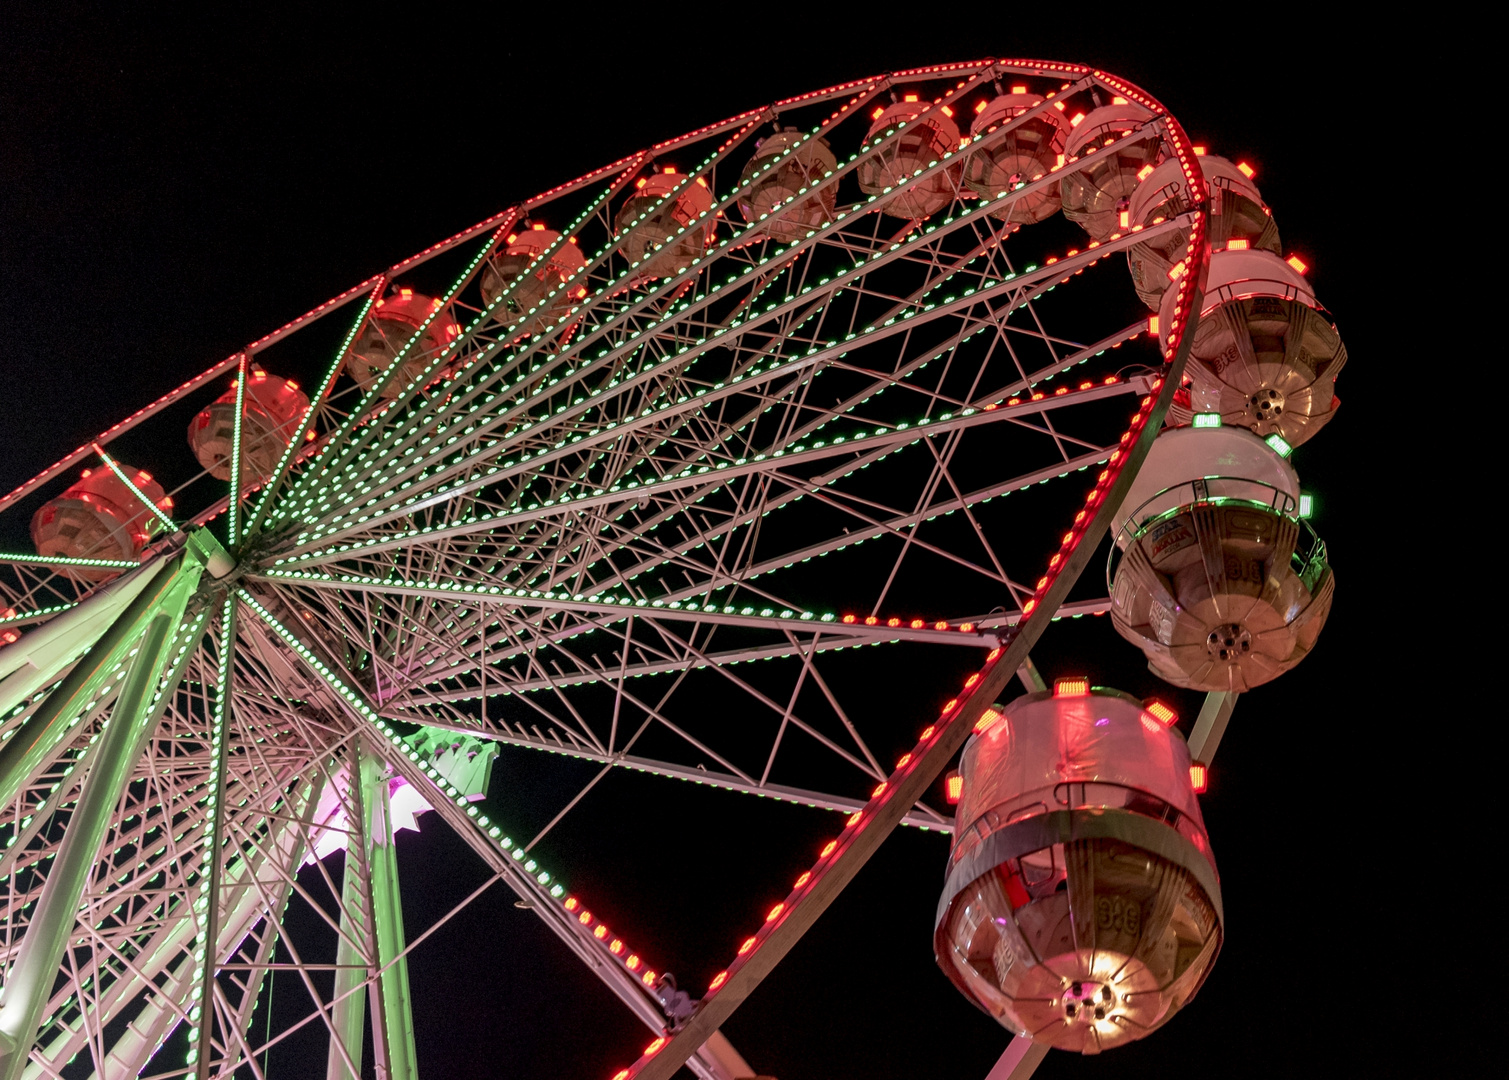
269	575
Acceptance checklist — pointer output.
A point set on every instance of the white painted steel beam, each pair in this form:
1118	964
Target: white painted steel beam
29	983
44	654
1020	1061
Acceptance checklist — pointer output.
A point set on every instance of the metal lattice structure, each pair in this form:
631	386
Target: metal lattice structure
702	421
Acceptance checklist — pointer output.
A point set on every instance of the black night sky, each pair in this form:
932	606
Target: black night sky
174	186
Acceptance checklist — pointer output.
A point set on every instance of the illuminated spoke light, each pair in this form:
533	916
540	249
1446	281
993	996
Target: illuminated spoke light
64	560
273	486
233	515
120	474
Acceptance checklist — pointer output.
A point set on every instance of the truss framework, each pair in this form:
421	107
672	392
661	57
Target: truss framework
566	541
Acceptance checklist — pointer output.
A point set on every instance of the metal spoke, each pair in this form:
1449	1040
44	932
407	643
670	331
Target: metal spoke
711	440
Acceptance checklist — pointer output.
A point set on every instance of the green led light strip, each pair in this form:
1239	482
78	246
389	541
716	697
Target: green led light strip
123	478
602	255
38	613
354	446
65	560
768	166
258	518
708	476
774	371
751	230
715	155
545	391
233	518
388	450
444	354
606	600
373	395
449	349
1025	286
206	918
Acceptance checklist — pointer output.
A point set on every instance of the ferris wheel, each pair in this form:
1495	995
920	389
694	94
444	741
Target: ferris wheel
668	469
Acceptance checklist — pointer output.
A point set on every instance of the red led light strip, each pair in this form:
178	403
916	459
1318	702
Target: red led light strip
613	945
1003	67
1058	565
842	857
110	433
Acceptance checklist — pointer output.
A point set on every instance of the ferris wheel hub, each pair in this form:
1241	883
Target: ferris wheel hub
217	561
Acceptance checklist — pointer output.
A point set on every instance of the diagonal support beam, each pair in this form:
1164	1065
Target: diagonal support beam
39	658
1210	725
1020	1061
233	511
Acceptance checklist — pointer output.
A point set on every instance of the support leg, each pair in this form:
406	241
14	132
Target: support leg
348	1014
36	965
32	746
387	916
